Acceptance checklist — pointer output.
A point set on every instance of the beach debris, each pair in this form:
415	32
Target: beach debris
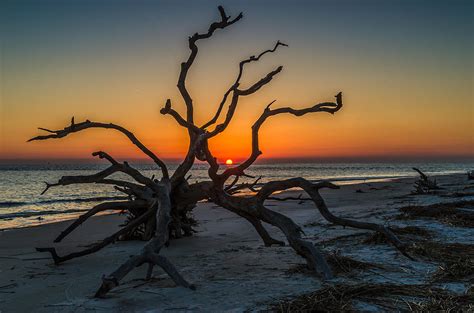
424	185
457	259
160	209
408	233
12	285
299	198
459	213
340	264
377	297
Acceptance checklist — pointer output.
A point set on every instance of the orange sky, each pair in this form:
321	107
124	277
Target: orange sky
409	97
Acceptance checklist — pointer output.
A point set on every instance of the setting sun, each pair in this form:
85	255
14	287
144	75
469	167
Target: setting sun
229	162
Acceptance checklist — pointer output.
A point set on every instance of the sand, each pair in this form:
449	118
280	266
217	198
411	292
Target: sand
226	260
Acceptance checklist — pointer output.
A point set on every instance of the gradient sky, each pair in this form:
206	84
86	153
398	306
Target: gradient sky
405	68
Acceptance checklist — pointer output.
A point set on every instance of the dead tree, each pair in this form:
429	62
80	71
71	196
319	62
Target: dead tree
424	185
162	207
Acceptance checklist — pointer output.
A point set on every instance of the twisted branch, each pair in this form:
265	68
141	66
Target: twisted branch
328	107
100	176
223	23
237	81
118	205
313	191
73	128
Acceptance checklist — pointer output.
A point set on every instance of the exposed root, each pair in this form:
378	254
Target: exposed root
150	252
385	297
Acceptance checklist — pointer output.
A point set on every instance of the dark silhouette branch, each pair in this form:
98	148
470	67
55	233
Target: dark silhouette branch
73	128
100	176
328	107
223	23
96	247
237	81
235	99
181	121
118	205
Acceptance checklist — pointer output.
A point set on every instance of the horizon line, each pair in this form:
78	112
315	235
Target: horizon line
325	159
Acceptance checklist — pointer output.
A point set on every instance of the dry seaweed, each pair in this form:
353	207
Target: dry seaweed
339	239
339	264
462	269
436	251
347	298
458	213
457	259
403	232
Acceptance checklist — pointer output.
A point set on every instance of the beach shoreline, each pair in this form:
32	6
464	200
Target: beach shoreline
64	216
226	259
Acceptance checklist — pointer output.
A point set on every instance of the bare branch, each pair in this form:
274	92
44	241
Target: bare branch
262	82
181	121
73	128
289	198
235	99
328	107
100	176
118	205
104	155
225	22
188	161
237	81
96	247
249	186
313	191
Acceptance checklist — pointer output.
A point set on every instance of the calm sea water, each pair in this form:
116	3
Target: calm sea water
22	205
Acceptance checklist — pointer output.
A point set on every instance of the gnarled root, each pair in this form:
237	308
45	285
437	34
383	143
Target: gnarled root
149	253
111	281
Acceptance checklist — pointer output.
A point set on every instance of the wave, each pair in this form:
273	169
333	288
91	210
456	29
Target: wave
9	204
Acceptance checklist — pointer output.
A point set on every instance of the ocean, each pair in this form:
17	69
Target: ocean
22	205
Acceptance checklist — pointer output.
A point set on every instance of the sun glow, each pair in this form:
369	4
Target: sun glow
229	162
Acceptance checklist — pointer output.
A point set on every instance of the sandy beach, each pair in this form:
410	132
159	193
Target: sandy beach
226	260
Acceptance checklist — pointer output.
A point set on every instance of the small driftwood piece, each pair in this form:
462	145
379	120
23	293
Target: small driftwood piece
424	185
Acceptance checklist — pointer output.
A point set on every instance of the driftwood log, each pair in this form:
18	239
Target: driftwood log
162	208
424	185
